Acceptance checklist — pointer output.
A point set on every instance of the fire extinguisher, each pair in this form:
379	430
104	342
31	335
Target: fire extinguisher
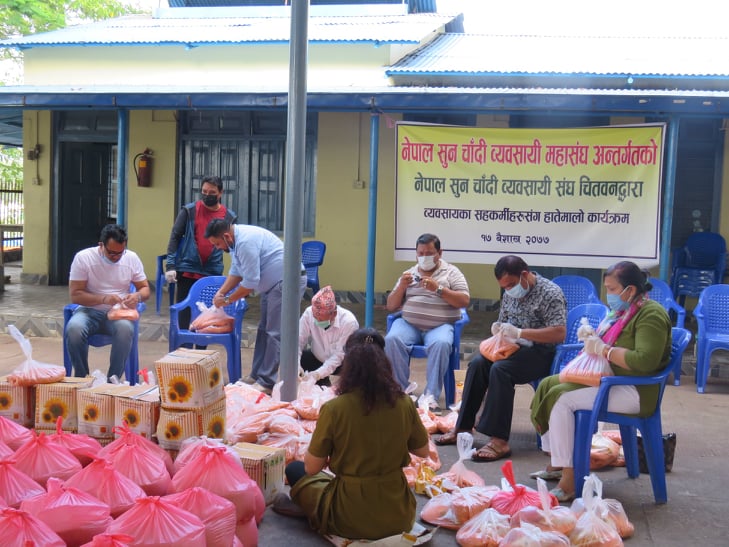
143	168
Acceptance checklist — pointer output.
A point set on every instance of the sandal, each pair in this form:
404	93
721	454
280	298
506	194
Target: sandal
561	495
490	453
547	475
447	438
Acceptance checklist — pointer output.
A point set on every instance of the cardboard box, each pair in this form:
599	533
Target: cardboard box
138	406
17	403
96	410
174	426
460	376
190	379
265	465
59	399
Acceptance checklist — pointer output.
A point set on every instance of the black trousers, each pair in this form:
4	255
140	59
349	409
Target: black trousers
310	363
496	381
181	291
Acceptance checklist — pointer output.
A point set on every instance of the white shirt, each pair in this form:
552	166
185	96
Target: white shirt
104	278
327	345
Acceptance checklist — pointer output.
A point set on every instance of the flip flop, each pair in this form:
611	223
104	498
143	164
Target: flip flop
547	475
493	455
447	438
561	495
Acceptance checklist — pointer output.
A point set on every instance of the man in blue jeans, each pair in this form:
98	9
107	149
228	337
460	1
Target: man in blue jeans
100	278
430	295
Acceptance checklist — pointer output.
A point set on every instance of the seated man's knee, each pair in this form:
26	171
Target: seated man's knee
76	331
124	329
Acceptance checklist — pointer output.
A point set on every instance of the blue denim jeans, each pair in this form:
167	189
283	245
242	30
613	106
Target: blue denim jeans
89	321
438	343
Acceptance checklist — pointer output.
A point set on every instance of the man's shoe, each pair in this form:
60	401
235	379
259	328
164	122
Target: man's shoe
262	389
250	380
284	505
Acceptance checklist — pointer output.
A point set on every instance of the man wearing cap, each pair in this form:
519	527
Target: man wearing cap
324	327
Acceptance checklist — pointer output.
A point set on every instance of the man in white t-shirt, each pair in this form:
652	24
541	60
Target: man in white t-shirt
100	278
324	327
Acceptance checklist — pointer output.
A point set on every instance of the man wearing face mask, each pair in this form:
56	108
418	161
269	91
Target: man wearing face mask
194	257
533	312
324	327
431	295
100	278
256	265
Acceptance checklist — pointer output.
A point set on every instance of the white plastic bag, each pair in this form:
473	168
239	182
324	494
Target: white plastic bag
212	320
31	372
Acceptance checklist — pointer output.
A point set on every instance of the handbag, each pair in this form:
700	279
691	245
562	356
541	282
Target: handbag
669	450
497	347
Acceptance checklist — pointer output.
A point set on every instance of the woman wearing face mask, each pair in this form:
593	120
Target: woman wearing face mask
533	311
635	337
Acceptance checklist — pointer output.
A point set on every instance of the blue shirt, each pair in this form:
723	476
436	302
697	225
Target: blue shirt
257	257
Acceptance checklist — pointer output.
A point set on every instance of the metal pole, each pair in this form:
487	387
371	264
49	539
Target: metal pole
121	166
666	229
293	211
372	221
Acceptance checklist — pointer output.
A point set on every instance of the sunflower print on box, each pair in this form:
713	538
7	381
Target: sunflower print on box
190	379
17	403
175	425
58	399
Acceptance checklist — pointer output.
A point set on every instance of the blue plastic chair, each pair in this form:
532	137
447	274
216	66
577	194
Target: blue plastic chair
649	426
454	362
131	367
160	283
712	317
204	290
662	293
700	263
312	256
577	290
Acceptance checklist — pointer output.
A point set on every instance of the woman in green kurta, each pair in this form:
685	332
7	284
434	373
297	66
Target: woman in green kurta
365	436
636	339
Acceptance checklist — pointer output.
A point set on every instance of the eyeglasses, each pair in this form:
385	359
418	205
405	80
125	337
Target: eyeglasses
114	253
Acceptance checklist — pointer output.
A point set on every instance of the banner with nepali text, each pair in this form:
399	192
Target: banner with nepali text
578	197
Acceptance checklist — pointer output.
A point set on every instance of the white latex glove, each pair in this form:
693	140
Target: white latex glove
496	328
312	377
510	331
584	332
171	276
594	345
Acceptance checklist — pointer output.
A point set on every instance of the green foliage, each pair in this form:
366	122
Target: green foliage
33	16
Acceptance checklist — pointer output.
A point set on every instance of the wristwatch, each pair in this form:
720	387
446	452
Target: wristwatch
439	290
226	299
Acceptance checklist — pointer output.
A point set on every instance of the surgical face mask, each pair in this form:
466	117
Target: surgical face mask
616	303
323	324
227	245
427	263
517	291
107	259
211	200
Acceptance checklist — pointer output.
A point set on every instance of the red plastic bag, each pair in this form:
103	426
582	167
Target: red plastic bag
546	517
15	485
215	512
31	372
486	529
212	320
40	459
497	347
110	540
12	434
83	447
217	470
20	529
73	514
154	522
586	369
104	482
510	502
127	437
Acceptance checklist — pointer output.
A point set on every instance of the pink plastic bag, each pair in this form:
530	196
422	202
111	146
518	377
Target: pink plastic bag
510	502
110	540
15	485
104	482
586	369
215	512
144	467
127	437
247	533
153	522
12	434
83	447
5	451
30	372
73	514
217	470
190	447
20	529
40	459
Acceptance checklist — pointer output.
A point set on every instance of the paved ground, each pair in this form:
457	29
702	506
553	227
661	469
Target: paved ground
697	487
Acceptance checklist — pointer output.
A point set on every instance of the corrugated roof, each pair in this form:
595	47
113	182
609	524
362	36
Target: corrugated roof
476	55
145	30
